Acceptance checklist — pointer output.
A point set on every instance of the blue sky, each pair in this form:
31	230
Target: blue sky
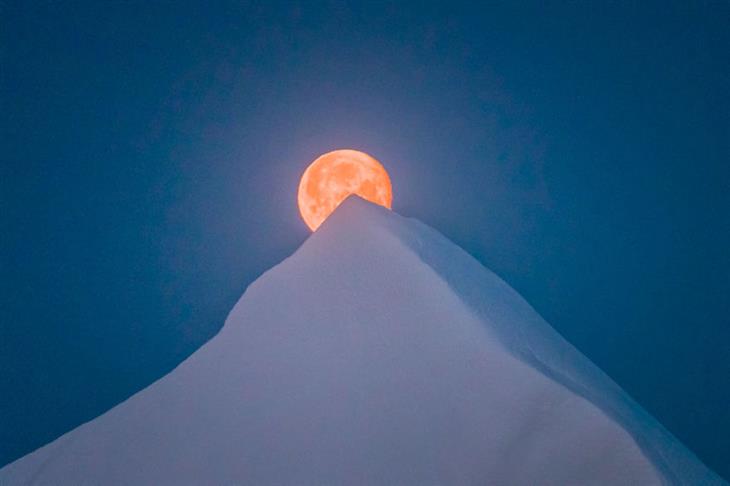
151	156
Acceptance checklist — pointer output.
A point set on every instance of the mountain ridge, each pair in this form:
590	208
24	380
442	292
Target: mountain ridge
668	459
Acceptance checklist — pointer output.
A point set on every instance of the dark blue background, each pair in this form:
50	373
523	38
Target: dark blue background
151	154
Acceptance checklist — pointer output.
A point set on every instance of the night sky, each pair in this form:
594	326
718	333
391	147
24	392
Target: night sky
151	155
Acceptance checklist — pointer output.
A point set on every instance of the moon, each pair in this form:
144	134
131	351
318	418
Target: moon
334	176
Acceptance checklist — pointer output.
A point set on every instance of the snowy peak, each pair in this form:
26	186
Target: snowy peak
378	353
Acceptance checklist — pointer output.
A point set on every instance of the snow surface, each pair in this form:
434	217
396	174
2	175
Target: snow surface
379	353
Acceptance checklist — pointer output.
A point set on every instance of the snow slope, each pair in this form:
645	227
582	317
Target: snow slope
379	353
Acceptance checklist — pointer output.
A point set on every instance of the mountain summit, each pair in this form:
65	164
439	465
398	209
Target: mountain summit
378	353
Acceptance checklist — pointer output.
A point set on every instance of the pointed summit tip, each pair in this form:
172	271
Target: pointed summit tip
353	223
355	210
354	203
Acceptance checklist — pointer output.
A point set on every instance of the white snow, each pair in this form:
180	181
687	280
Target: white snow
379	353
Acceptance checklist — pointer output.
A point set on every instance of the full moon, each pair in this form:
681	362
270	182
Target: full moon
334	176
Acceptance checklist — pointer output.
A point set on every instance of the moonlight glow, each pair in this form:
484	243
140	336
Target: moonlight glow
334	176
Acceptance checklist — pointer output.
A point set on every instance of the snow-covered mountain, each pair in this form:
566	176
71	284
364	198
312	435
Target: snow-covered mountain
379	353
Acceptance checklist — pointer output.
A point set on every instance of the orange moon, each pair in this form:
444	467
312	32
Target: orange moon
334	176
